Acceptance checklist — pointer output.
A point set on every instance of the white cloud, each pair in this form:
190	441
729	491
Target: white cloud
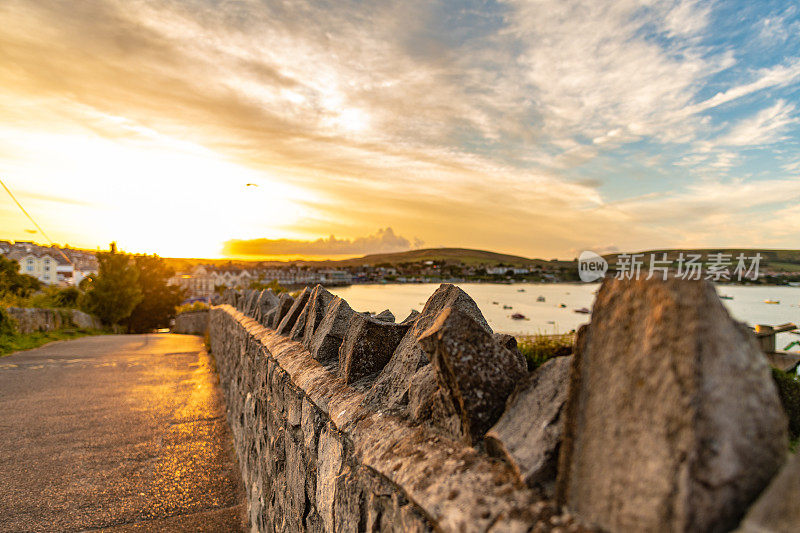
764	127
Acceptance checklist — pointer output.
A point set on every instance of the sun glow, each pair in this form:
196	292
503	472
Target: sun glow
353	120
164	196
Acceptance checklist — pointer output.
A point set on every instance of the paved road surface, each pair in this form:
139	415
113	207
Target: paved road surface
120	433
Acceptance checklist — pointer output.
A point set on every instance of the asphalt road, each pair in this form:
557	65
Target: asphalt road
119	433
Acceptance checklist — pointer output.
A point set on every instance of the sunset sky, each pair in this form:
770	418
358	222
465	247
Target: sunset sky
539	128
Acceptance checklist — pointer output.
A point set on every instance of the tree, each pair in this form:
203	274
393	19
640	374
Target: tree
113	293
159	300
12	283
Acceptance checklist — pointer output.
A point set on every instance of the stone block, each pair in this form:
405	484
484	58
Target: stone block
328	336
391	388
294	313
673	422
528	434
385	316
317	307
475	373
285	304
777	509
367	346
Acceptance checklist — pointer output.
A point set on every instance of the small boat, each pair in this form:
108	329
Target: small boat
562	305
725	297
540	299
507	307
495	303
582	310
774	302
518	316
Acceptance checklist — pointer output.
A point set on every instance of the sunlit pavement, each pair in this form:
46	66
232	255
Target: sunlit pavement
125	432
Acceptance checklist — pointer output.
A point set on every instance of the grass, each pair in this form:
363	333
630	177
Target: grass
15	342
538	349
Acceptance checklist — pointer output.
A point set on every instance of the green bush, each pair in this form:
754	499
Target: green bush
789	393
538	349
188	308
7	325
55	298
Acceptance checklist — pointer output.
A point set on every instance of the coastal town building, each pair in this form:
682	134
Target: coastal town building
41	265
52	265
197	283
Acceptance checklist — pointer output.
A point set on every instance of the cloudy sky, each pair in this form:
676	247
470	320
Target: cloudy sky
539	127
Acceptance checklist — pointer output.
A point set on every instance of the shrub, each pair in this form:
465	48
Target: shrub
538	349
188	308
7	325
789	393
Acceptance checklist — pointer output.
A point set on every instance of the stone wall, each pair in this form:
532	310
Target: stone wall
346	421
191	323
28	320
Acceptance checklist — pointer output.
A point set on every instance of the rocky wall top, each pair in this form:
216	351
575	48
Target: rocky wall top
664	419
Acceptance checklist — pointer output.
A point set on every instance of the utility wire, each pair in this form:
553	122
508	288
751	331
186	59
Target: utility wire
34	222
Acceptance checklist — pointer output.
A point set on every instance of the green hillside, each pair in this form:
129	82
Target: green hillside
463	256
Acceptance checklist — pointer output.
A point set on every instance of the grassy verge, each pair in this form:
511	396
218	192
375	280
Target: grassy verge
537	349
15	342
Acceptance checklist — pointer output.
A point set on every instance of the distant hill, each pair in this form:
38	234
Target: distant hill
464	256
776	260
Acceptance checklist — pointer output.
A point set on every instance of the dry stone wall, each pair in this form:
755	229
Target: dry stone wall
191	323
31	319
665	419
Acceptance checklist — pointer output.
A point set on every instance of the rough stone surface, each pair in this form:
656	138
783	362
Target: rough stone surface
673	422
30	319
328	336
385	316
412	316
285	303
296	311
317	307
191	323
475	374
364	470
777	509
510	343
529	433
266	302
251	302
367	346
391	388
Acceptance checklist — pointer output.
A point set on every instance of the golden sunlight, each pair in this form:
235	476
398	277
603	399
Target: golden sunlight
155	194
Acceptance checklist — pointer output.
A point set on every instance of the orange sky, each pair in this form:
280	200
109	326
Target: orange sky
415	124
